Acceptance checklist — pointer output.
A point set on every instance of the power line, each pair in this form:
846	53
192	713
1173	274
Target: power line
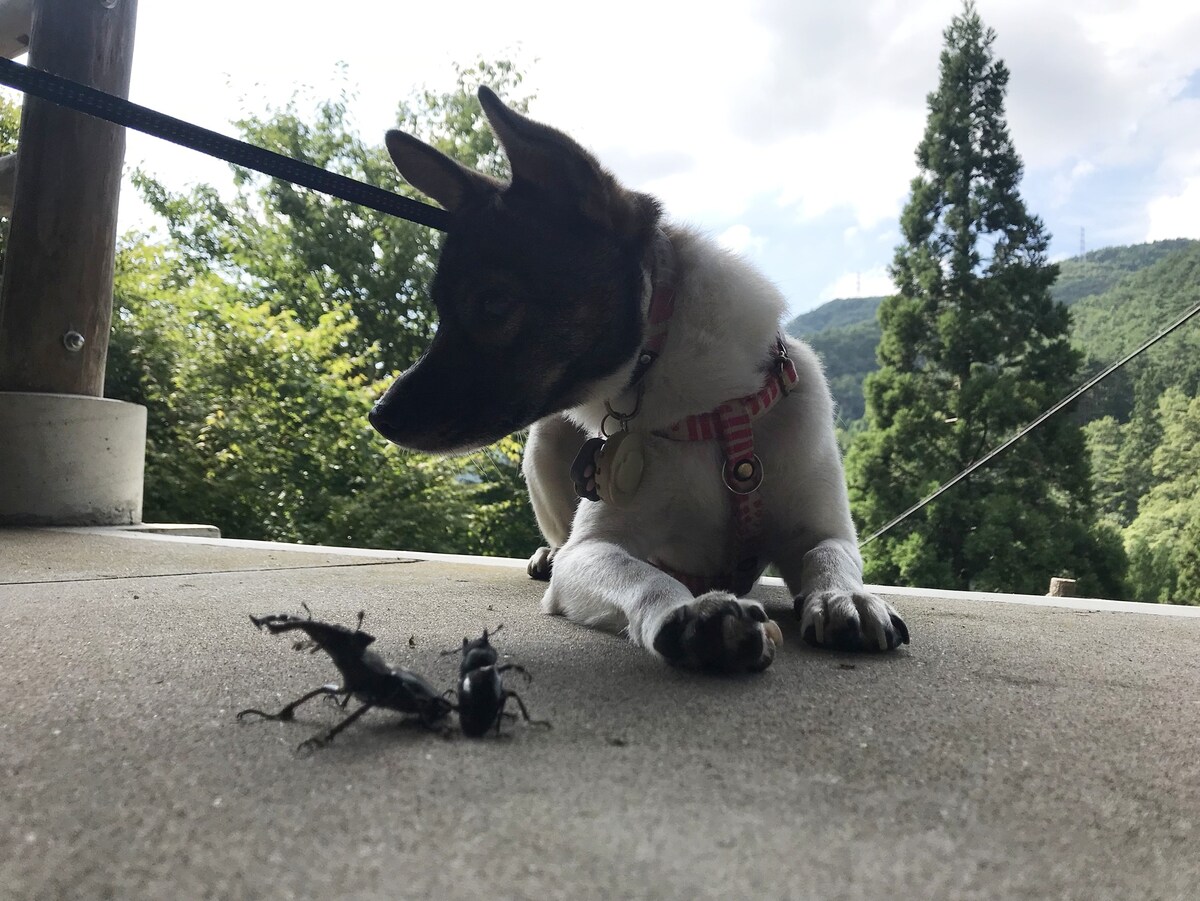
1074	395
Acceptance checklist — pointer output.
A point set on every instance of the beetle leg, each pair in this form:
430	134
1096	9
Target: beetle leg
505	667
289	712
509	693
324	738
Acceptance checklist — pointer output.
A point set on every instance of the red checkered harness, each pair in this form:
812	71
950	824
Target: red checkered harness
730	424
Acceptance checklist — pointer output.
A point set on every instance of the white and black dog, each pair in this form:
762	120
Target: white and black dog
567	304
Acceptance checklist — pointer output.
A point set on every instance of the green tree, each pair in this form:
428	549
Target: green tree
257	423
972	347
10	124
10	130
1117	476
1164	564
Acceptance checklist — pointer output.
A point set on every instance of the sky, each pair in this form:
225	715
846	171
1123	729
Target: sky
784	128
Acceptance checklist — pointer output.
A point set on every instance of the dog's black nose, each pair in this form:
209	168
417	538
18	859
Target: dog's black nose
379	422
398	424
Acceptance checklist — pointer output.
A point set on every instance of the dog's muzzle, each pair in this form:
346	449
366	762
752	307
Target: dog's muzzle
409	413
441	409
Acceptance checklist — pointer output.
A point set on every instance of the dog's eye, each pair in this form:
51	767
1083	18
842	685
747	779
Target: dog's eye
495	305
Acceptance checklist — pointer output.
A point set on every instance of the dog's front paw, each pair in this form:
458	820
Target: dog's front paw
541	564
717	631
850	621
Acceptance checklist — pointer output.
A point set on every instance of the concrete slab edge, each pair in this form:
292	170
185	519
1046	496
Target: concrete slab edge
1098	605
192	529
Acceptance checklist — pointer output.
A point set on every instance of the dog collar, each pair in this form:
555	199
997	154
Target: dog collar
609	467
658	321
661	309
731	424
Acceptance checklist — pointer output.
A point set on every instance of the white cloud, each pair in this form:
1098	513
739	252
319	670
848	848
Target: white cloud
1064	183
871	283
1177	215
822	61
1082	169
864	163
770	121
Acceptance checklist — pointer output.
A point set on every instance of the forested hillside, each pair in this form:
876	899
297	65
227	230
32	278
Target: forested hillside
845	333
840	313
1107	324
1144	429
848	353
1101	270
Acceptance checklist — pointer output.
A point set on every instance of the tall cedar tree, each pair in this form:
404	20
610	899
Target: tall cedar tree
972	347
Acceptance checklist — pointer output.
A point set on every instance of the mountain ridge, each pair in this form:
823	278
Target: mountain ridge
844	332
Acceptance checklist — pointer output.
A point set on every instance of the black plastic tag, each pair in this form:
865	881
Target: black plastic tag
583	470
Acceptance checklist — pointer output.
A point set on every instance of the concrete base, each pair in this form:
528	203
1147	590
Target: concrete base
177	529
70	460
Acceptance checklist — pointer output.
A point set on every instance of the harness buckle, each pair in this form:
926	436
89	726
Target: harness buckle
623	419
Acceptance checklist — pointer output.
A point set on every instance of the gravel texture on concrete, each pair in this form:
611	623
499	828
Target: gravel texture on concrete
1011	751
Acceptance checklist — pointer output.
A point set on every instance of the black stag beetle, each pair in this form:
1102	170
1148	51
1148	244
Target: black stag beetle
482	696
365	676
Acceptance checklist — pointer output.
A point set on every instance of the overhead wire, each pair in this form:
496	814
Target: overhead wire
995	452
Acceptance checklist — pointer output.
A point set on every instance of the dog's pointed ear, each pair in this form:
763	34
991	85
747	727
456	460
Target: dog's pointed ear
538	153
433	173
564	170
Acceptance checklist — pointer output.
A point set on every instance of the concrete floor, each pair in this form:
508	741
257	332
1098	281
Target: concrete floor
1013	750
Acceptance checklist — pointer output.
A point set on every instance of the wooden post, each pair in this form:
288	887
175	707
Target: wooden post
56	300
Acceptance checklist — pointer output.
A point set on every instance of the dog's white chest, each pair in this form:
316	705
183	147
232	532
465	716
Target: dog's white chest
679	513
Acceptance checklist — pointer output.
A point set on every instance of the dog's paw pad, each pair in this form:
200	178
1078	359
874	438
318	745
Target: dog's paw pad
850	621
719	632
541	564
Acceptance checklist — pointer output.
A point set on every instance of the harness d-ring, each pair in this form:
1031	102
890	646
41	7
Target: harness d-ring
743	476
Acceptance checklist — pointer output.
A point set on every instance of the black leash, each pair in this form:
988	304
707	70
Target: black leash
101	105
